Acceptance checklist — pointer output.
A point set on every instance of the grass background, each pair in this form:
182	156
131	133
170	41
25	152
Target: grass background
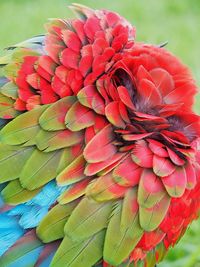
175	21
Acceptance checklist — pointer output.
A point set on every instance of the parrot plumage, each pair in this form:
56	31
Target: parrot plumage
99	147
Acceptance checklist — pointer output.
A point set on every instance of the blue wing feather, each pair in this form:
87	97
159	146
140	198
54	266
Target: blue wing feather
10	232
15	222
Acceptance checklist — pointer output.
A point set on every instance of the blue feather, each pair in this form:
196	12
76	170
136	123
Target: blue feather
33	217
32	212
10	232
48	195
19	210
15	222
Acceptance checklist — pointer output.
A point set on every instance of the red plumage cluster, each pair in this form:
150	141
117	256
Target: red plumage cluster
134	108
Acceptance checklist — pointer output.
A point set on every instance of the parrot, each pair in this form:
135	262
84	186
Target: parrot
99	147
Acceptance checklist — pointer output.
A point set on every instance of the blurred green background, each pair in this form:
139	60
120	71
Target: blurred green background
175	21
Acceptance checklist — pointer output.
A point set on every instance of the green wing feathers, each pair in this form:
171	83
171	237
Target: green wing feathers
93	219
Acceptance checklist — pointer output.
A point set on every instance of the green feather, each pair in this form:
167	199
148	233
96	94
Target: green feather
82	253
52	226
140	263
10	89
22	129
88	218
11	69
5	59
14	193
12	160
130	215
53	118
150	218
20	52
50	141
150	259
40	169
118	244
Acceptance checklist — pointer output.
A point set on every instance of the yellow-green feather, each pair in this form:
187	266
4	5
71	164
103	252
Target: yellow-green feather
40	168
118	243
88	218
12	160
150	218
10	90
52	226
53	118
22	129
50	141
14	193
79	253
